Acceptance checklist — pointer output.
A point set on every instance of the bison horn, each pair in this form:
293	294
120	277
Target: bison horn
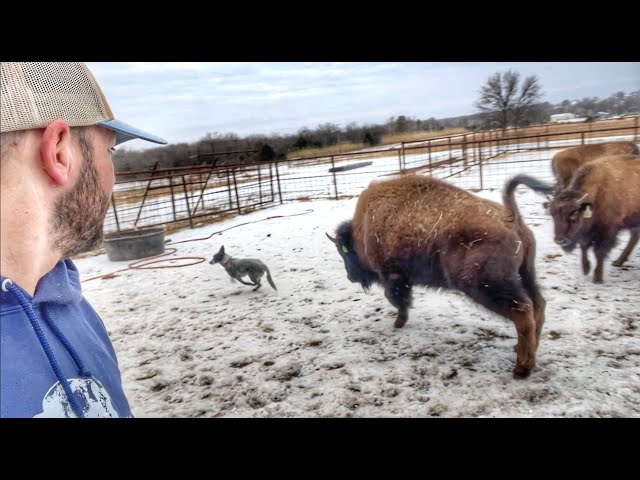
331	238
579	201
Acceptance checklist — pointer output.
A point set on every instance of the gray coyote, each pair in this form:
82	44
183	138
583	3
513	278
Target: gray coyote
239	267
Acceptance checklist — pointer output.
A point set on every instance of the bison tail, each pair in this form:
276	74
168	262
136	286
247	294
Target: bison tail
532	183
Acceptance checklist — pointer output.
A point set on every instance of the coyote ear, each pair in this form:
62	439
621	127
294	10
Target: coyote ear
330	237
222	249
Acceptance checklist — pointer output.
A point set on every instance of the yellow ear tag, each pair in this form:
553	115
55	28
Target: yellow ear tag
344	249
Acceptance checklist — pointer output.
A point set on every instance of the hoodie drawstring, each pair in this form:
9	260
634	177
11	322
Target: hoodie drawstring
67	344
33	318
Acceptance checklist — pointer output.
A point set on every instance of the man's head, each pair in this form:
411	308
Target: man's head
58	134
76	223
34	94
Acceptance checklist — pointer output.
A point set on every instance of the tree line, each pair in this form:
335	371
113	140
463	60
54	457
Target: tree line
503	101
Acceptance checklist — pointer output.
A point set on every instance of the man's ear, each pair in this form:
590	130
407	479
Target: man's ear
56	151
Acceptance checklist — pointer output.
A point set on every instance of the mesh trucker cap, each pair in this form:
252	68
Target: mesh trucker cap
34	94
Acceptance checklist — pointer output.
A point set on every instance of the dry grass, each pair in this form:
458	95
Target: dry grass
326	151
386	140
418	136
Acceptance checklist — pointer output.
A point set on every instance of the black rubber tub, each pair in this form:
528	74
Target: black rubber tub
134	244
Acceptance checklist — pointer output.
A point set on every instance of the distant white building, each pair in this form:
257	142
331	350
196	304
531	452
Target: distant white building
561	117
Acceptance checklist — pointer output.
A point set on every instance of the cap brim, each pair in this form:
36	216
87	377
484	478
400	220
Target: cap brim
125	132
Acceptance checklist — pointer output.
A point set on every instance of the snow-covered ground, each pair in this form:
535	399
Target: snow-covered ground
191	343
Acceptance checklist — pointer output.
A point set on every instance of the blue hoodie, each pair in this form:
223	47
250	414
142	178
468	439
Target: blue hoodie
56	359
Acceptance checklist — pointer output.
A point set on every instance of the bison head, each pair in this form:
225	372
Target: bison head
356	271
571	211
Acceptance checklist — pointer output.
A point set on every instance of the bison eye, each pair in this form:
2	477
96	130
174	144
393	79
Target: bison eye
344	249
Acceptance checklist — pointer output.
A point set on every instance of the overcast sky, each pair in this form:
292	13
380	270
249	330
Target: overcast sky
182	102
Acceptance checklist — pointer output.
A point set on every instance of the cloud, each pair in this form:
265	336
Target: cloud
182	101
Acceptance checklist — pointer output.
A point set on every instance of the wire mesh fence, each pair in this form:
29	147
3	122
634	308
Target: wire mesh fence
189	196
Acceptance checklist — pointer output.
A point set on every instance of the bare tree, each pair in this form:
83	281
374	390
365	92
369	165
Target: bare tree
502	101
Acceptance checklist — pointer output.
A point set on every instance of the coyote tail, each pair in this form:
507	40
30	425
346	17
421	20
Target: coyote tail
269	279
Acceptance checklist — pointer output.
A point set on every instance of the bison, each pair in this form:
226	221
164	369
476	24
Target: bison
566	162
416	230
602	198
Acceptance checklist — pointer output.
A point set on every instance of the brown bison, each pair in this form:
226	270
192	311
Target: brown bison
566	162
417	230
602	198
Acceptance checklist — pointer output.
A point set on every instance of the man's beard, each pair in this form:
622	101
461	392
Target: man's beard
77	222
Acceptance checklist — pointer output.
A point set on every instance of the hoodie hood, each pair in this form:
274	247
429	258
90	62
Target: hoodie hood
60	286
57	359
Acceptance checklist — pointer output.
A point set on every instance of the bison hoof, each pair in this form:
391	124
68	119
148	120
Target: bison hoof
400	321
617	263
586	269
521	372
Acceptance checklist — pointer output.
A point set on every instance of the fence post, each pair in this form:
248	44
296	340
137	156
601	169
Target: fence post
235	187
260	183
335	183
464	150
430	168
115	212
480	166
491	143
173	200
278	181
400	160
546	137
229	189
582	137
450	158
195	210
271	180
636	134
186	199
146	192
